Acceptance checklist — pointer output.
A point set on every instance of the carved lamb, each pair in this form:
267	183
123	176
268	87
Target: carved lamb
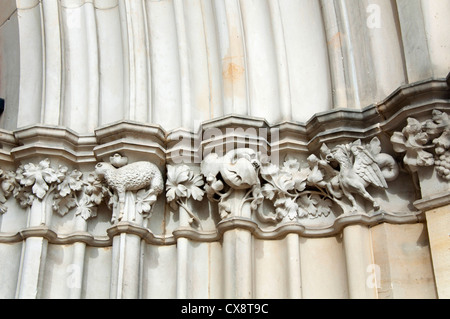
131	177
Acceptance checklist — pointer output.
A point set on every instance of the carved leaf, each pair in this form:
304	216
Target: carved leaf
183	183
71	183
40	177
62	205
286	206
144	201
269	191
86	208
314	206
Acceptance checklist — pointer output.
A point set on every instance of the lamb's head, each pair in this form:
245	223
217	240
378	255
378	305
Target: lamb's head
103	168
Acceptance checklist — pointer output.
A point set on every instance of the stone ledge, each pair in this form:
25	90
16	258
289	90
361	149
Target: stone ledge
434	201
278	232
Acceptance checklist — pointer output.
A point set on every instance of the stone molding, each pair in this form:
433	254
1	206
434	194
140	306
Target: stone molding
207	236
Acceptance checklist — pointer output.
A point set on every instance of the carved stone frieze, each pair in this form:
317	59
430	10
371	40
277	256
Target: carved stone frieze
242	182
426	143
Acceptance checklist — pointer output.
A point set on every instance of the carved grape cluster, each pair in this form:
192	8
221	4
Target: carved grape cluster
419	140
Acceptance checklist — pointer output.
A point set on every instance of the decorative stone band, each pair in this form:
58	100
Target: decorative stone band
312	178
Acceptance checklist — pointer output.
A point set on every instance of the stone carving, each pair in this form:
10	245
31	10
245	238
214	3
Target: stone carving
181	184
241	181
7	186
236	173
426	143
38	181
65	196
361	166
141	177
287	188
68	189
339	173
71	190
85	195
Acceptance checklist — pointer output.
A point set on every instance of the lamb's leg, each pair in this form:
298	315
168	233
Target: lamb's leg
121	195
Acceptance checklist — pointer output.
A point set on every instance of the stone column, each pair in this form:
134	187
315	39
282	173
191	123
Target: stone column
79	252
182	258
34	253
435	203
238	252
125	279
358	255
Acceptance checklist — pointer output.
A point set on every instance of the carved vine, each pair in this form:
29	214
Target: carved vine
336	176
241	178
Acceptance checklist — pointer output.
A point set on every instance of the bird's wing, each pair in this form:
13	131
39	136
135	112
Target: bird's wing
366	168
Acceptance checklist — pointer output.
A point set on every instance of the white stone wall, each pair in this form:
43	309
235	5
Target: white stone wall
171	80
109	60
